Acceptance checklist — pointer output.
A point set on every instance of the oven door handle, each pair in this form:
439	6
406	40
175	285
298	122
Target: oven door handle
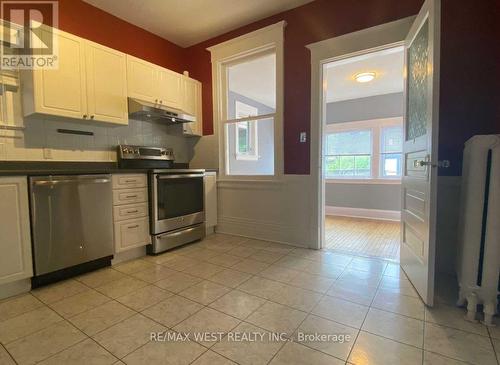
178	232
180	176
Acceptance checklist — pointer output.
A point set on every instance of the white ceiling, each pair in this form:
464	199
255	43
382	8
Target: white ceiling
255	79
187	22
387	65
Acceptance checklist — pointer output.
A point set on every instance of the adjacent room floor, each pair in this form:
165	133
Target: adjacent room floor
364	237
228	284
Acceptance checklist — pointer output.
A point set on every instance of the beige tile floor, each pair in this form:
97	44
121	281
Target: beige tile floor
235	286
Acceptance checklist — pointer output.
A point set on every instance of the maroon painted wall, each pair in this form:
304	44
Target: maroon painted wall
467	65
469	61
321	19
84	20
469	77
87	21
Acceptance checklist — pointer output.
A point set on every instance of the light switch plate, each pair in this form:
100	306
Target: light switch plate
303	137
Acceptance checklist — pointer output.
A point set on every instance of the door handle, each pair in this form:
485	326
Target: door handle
441	163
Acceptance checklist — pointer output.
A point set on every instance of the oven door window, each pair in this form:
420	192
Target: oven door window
179	196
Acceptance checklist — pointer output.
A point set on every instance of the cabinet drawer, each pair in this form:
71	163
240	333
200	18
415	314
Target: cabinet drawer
128	196
132	233
124	181
130	211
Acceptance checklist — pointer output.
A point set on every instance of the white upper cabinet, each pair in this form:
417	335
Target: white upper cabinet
169	88
141	79
189	89
61	91
106	84
154	84
15	242
89	83
191	104
92	83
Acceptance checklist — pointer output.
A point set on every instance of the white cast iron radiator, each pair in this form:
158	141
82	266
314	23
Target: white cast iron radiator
478	265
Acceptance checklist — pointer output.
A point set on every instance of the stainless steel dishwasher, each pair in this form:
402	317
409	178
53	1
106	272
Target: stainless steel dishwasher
72	224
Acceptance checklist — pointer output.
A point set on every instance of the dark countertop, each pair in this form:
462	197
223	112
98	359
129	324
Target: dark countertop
12	168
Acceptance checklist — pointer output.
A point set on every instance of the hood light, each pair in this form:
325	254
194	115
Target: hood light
364	76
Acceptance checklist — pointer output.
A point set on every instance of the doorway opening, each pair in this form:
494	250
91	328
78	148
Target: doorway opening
362	153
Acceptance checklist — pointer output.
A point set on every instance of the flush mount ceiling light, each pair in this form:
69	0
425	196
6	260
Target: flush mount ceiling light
364	76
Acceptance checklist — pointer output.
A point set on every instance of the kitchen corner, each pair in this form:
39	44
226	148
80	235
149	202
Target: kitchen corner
83	149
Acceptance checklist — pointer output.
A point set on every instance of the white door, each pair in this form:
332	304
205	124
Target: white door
419	185
106	84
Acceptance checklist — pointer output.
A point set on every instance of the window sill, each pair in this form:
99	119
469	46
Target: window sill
247	158
364	181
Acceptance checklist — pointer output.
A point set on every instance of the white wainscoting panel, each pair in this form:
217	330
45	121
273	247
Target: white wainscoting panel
276	211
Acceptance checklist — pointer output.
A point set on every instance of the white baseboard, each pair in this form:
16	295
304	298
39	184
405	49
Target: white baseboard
15	288
386	215
133	253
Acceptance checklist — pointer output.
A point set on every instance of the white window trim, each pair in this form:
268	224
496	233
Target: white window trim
259	41
253	137
375	125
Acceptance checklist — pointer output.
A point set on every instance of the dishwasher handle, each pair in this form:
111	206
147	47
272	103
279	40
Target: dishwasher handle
79	179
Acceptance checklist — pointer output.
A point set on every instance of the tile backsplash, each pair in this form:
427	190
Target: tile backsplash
40	134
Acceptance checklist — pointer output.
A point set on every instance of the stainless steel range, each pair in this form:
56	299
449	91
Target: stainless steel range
176	196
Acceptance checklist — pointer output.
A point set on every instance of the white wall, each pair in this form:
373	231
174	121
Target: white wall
364	196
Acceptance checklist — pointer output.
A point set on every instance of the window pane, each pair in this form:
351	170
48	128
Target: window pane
391	164
243	137
348	166
258	140
349	143
362	166
392	139
252	87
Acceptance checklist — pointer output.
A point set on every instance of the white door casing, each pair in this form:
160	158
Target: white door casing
418	266
345	46
420	150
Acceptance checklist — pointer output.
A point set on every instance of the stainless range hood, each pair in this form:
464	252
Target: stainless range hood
143	110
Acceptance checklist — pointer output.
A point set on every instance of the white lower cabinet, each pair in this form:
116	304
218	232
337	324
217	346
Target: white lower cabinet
130	211
15	239
210	182
131	233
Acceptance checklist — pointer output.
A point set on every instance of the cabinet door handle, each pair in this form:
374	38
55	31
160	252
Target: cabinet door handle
132	211
91	117
84	116
130	181
134	226
131	196
161	101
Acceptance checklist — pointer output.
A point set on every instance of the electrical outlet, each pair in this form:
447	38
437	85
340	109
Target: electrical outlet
303	137
47	153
